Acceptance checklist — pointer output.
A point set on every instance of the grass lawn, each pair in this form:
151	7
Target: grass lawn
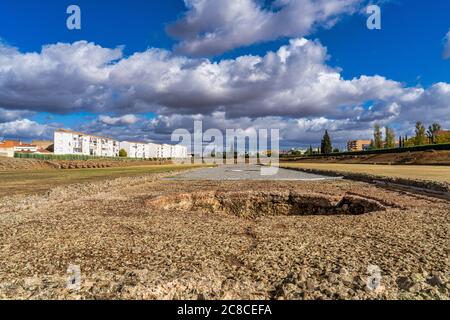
433	173
39	181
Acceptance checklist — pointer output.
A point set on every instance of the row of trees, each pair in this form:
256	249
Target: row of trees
378	142
433	135
423	136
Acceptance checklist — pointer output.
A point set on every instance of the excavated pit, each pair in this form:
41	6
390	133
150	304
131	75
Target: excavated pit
252	204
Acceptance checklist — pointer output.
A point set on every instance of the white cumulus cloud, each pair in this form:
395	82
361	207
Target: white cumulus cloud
123	120
211	27
24	128
11	115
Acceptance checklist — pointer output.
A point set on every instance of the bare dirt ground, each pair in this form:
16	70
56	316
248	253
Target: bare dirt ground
41	181
147	238
431	157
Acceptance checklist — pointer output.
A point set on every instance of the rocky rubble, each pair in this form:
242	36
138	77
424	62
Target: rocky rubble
254	204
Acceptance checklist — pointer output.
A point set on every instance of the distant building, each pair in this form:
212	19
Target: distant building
442	132
135	149
358	145
9	147
155	150
442	136
292	151
25	147
141	150
78	143
179	152
6	152
166	151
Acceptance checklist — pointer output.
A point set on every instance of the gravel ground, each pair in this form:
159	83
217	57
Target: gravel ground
246	172
128	248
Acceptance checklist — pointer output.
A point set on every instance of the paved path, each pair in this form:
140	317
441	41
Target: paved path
246	172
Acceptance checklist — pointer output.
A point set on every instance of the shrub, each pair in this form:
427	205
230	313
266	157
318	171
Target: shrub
67	157
123	153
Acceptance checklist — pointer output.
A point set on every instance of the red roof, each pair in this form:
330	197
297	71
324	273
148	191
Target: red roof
10	143
26	145
15	143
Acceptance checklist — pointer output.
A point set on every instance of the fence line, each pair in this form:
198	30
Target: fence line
71	157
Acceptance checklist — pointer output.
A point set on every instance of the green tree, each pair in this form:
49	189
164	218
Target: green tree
326	146
409	142
421	137
123	153
377	137
389	138
432	131
443	138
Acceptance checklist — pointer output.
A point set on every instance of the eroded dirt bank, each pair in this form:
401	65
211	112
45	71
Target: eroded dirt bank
141	237
11	164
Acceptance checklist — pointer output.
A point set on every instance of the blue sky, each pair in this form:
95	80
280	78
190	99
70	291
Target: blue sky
408	50
137	24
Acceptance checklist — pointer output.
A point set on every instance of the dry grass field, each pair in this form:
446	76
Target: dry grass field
42	180
432	173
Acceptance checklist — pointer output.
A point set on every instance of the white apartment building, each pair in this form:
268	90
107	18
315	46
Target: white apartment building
26	148
71	142
135	149
166	151
152	150
179	152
